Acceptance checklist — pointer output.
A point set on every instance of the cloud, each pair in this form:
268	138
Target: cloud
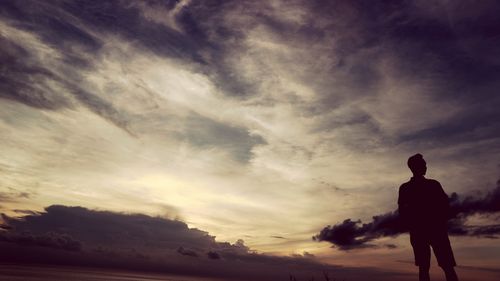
213	255
255	100
469	205
27	80
350	234
49	239
305	254
79	236
108	229
371	57
353	235
187	252
40	76
13	195
206	133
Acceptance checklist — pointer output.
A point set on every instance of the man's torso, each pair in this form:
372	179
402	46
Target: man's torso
423	205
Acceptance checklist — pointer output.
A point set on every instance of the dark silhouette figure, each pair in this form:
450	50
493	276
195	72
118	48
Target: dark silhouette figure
424	210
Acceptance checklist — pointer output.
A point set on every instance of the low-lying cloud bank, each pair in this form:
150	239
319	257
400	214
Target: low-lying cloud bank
354	234
111	232
82	237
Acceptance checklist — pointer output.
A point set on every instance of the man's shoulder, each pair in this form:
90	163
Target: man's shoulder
404	186
412	184
433	182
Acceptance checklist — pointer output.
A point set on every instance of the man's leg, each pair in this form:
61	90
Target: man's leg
422	252
450	273
444	255
423	273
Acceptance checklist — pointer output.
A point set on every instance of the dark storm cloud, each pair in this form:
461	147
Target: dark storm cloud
213	255
118	232
458	227
488	203
187	252
83	237
49	239
354	235
101	228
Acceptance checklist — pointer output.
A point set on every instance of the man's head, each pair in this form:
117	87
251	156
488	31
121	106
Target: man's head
417	165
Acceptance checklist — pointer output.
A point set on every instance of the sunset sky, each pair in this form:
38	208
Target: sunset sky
264	121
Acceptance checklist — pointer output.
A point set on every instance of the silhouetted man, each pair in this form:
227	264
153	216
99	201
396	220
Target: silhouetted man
424	209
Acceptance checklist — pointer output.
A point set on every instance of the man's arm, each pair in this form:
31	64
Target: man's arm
403	205
443	201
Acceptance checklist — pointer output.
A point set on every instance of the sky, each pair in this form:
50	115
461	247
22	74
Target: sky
248	127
